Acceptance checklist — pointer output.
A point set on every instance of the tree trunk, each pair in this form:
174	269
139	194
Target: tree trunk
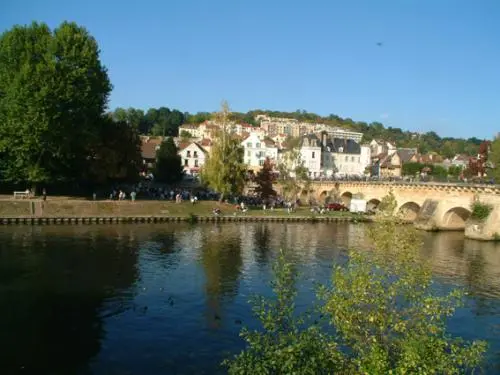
221	198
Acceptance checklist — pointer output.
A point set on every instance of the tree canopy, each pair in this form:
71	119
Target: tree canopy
168	162
224	170
264	180
53	94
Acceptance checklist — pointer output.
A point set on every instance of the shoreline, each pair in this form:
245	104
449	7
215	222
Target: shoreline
33	220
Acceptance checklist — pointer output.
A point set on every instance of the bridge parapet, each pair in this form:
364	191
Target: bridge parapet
432	186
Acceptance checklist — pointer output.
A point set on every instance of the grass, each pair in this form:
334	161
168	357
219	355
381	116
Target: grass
82	208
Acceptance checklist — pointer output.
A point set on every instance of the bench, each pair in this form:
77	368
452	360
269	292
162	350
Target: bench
21	194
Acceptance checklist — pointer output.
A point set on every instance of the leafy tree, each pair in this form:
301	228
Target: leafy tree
494	159
290	343
53	94
185	134
293	174
224	170
168	162
411	169
383	309
117	155
198	118
265	180
385	316
454	170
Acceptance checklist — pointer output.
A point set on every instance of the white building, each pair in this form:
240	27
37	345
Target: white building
192	158
310	154
196	131
344	157
256	150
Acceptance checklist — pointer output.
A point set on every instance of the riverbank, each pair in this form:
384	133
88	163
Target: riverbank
59	211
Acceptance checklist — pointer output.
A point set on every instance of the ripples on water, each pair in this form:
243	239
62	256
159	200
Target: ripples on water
171	299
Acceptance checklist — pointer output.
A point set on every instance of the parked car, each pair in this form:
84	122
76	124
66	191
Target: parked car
336	207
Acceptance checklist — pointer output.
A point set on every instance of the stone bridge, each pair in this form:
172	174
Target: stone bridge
432	206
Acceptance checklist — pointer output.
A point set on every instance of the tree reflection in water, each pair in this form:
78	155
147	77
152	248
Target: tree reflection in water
46	286
222	262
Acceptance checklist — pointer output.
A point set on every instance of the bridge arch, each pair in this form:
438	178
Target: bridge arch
409	211
372	204
455	218
346	198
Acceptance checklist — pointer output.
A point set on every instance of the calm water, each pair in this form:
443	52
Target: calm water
170	299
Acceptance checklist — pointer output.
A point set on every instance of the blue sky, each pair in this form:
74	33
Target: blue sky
438	68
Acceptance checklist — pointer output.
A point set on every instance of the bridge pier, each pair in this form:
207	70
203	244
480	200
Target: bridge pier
444	214
487	230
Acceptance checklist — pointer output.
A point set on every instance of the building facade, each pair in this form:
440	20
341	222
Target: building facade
193	157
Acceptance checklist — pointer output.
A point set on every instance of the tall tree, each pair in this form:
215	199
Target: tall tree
117	155
224	170
494	159
168	162
264	180
53	93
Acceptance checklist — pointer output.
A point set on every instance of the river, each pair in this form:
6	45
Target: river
171	298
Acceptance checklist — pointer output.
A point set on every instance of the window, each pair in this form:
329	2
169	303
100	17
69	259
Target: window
352	159
249	144
188	154
195	154
347	158
257	145
313	155
261	162
249	153
196	162
185	162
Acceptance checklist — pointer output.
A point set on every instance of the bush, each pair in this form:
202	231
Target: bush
480	211
384	315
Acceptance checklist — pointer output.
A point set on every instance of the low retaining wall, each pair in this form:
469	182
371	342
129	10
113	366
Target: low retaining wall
165	219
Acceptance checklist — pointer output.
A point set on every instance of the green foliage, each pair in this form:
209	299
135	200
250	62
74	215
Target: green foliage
386	319
494	158
168	162
53	93
384	310
224	170
117	155
290	343
185	134
411	169
264	180
480	210
387	205
455	170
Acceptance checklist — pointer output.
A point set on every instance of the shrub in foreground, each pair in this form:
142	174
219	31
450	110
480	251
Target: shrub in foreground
384	316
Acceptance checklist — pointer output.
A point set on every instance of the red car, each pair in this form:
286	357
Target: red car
336	207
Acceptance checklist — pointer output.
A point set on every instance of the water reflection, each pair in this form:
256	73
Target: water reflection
221	258
81	299
50	296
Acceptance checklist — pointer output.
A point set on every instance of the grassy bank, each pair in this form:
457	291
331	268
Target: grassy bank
82	208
